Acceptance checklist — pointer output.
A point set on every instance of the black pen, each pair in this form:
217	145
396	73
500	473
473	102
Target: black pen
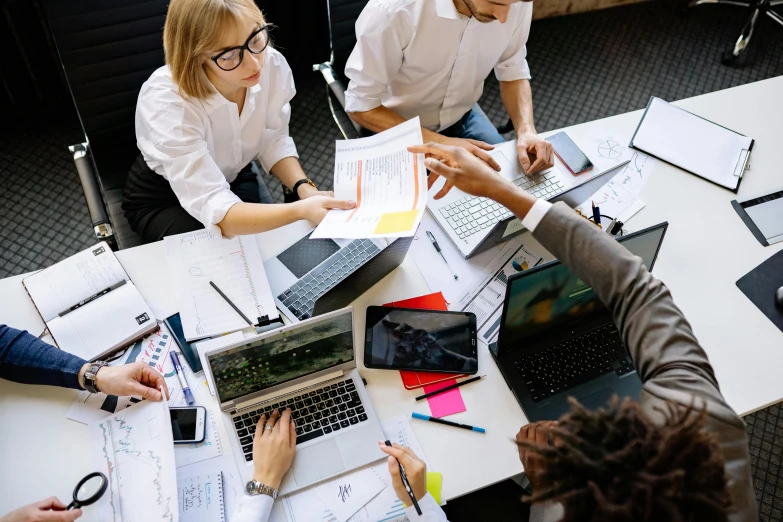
447	388
437	247
92	298
232	304
407	484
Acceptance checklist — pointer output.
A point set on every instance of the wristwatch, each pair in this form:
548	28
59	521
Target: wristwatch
90	382
255	487
301	182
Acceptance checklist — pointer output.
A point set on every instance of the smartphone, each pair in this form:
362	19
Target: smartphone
569	153
188	424
426	340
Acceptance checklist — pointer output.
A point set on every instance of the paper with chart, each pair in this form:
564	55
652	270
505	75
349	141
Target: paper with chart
306	505
388	183
234	265
134	448
152	350
619	197
200	498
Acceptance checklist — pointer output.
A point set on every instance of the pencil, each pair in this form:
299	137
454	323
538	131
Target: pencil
232	304
447	388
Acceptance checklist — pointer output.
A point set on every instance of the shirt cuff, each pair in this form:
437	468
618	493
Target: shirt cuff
510	73
536	214
430	511
356	103
282	148
256	508
217	207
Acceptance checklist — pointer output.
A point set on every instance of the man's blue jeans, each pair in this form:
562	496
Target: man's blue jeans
476	126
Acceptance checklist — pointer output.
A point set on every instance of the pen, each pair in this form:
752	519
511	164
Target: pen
407	485
596	215
92	298
447	388
182	380
437	247
232	304
448	423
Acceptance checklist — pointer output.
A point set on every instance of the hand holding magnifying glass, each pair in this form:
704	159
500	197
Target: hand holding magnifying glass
88	491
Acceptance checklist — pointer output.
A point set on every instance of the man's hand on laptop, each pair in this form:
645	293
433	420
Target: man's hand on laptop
531	144
531	435
475	147
128	379
274	446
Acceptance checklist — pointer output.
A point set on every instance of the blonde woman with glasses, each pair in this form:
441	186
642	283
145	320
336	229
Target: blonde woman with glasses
221	101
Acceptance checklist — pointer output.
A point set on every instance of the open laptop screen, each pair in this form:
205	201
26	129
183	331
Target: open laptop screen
549	298
281	358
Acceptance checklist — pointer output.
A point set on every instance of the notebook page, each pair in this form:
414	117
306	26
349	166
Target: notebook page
201	498
101	325
80	276
691	143
234	264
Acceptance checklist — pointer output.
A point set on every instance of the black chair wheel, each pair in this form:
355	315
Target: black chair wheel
728	58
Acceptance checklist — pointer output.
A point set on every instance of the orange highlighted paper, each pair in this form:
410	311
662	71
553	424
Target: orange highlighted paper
387	182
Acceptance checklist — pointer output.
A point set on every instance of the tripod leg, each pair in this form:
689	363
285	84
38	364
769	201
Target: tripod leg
772	14
729	57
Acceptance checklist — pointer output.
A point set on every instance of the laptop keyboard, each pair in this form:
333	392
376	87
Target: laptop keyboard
574	362
470	215
301	296
317	413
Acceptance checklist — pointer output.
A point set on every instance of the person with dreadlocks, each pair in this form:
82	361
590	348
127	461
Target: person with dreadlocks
679	454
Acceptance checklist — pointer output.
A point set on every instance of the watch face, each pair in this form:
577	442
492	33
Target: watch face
250	487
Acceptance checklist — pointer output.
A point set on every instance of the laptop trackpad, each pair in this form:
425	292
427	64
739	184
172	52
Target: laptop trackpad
316	462
597	400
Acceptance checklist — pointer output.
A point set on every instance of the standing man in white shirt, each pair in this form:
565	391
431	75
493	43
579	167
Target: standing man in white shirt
429	58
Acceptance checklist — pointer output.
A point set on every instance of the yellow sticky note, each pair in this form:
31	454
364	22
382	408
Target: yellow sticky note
435	484
396	222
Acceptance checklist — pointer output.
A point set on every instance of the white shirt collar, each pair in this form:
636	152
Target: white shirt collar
447	9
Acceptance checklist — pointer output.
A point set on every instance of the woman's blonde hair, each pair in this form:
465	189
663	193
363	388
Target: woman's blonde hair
193	29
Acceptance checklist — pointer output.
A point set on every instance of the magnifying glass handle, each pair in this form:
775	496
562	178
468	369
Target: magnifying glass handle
73	505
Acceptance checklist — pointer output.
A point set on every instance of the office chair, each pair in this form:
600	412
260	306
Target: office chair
756	8
108	49
342	39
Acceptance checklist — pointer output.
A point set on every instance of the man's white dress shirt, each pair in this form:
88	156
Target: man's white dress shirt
200	146
423	58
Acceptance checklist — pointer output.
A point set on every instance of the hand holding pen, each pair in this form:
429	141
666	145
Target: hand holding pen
408	473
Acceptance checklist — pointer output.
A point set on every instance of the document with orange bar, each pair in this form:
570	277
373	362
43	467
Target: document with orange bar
388	183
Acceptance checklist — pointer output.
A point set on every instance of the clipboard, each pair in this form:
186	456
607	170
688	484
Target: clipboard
693	144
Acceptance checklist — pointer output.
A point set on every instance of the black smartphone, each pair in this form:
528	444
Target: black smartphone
188	424
425	340
569	153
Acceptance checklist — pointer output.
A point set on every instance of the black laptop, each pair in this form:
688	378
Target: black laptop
558	340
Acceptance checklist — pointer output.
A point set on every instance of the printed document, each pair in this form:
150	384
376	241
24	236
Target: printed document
234	265
388	183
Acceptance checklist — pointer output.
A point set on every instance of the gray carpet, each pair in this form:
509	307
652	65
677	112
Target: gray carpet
584	67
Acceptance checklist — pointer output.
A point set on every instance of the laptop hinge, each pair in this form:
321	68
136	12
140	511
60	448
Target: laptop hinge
288	391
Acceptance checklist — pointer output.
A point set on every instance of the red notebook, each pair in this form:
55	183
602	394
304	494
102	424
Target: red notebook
410	379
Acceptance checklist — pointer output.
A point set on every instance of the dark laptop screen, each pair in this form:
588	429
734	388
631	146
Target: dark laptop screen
549	297
259	365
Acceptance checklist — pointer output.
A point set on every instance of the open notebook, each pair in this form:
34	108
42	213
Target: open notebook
89	304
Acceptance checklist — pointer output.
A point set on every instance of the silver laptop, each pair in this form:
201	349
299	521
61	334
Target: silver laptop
476	224
309	367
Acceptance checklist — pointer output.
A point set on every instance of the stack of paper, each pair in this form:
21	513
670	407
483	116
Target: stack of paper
388	183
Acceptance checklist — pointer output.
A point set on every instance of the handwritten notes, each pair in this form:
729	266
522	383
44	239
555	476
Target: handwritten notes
346	495
201	498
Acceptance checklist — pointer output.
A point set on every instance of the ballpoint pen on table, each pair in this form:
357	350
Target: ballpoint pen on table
182	379
407	484
421	416
447	388
92	298
596	215
437	247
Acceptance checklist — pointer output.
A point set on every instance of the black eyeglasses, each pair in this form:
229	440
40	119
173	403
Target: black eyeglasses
231	58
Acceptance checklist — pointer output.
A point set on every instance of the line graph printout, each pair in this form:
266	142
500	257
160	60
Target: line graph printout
134	448
388	183
234	264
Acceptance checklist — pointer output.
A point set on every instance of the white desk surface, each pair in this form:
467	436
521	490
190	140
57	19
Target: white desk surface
707	248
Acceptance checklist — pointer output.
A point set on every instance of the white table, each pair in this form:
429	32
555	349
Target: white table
707	248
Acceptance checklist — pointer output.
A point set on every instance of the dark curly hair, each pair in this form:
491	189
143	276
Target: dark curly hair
617	465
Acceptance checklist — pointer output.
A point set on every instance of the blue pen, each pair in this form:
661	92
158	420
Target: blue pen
182	380
447	423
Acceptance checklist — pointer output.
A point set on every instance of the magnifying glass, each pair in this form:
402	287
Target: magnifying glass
89	490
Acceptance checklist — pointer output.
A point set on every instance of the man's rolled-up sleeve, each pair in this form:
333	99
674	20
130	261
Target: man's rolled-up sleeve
375	59
512	65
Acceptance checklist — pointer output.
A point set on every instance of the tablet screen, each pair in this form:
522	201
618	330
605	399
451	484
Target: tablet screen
427	340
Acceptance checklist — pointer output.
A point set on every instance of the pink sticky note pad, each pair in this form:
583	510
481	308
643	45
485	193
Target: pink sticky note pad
446	403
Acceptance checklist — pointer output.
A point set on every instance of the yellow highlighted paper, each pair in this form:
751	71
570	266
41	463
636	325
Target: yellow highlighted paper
397	222
435	484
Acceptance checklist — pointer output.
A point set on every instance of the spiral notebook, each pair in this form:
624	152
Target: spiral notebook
201	498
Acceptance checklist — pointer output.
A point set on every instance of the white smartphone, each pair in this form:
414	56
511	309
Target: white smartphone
188	424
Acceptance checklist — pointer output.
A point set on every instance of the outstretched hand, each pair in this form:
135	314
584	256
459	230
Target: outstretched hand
130	379
48	510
